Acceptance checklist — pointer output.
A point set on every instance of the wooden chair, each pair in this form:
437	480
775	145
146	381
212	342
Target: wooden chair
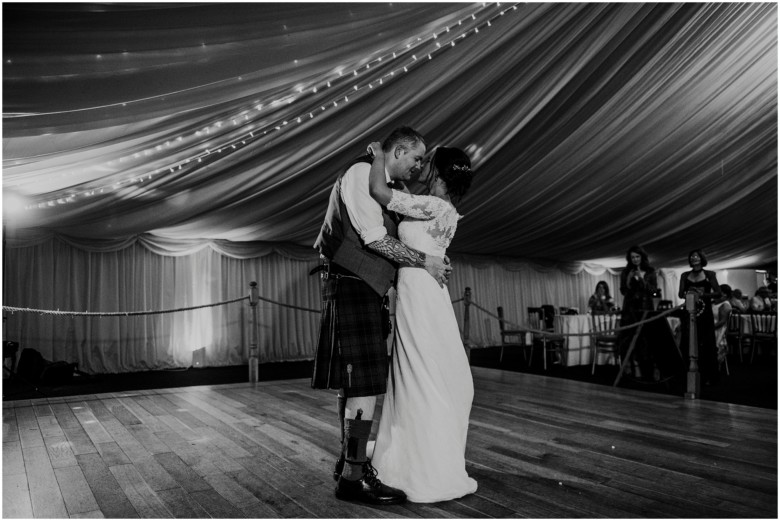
763	329
512	338
734	332
556	342
604	338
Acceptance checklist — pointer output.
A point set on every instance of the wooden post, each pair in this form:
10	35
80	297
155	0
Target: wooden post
693	388
253	348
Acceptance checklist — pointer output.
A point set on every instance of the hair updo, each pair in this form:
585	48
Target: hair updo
453	166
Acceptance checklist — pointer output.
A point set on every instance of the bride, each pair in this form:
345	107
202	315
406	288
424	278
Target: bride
421	442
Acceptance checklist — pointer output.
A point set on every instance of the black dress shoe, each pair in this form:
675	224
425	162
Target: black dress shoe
339	468
369	489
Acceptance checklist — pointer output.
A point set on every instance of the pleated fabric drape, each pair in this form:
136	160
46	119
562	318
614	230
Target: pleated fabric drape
57	275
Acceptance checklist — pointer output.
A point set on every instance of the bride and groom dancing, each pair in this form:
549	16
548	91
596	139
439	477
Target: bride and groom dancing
420	444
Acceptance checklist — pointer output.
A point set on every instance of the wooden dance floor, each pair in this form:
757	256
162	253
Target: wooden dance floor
539	447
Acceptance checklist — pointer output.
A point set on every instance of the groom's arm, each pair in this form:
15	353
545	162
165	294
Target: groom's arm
393	249
365	214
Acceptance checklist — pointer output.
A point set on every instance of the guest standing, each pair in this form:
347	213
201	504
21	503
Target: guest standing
705	284
638	284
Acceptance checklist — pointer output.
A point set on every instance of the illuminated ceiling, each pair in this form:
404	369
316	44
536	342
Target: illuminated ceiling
591	126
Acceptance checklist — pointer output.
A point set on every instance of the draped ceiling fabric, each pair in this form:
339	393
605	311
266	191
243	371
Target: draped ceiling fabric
591	126
162	156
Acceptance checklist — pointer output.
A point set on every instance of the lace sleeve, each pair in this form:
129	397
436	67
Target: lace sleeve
423	207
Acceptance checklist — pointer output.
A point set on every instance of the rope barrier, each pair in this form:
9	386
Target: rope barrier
300	308
544	333
116	313
288	305
150	312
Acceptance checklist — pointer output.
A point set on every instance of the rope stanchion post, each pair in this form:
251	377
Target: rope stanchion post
693	386
254	298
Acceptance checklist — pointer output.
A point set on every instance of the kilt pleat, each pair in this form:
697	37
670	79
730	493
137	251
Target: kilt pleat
351	349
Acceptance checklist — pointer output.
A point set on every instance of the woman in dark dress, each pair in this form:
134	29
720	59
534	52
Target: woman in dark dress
638	284
705	284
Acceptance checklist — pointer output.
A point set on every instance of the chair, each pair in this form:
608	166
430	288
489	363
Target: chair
540	320
763	329
734	332
512	337
604	338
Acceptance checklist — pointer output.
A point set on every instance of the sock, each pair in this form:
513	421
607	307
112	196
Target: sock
342	404
356	434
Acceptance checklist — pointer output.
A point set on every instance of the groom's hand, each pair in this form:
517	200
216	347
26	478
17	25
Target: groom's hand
438	269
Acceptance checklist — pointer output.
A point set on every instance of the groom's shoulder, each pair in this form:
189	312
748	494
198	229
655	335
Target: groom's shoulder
360	167
366	159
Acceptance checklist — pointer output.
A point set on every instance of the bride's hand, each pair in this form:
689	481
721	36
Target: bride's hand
436	267
375	149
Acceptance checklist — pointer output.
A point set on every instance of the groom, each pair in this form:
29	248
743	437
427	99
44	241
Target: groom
360	251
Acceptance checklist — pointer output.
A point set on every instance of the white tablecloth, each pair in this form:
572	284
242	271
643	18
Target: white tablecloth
578	351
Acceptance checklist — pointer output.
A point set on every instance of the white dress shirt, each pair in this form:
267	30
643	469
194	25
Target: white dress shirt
364	212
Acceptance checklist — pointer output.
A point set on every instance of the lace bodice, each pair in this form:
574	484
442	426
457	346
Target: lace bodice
430	222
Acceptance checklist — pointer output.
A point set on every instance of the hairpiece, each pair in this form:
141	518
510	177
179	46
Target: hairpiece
461	168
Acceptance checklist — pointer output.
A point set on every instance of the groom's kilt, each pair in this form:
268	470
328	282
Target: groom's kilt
351	351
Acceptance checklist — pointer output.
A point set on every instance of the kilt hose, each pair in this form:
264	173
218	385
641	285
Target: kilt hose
351	350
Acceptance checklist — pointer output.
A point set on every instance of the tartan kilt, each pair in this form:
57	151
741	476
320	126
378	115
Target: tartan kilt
351	350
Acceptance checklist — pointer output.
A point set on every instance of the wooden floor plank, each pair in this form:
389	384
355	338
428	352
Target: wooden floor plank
91	425
181	505
110	497
13	461
60	452
280	504
143	498
75	490
29	430
16	496
182	473
216	506
146	437
539	448
10	428
47	501
147	419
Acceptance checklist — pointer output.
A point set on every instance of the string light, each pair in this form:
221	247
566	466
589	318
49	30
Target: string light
248	138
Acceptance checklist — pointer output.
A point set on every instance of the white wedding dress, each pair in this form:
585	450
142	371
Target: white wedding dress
421	441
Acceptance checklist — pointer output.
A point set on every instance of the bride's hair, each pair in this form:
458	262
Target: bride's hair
453	166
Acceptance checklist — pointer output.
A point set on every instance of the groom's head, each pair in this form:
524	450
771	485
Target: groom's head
404	149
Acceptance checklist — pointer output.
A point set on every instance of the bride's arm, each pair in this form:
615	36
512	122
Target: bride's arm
377	184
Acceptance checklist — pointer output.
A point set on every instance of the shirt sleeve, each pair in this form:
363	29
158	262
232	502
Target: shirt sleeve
364	212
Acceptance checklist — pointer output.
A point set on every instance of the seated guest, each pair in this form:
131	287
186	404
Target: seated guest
771	285
760	303
601	301
736	301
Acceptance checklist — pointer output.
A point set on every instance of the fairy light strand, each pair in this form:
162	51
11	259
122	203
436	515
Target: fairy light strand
246	120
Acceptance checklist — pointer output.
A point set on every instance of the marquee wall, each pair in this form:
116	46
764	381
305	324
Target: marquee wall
141	275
